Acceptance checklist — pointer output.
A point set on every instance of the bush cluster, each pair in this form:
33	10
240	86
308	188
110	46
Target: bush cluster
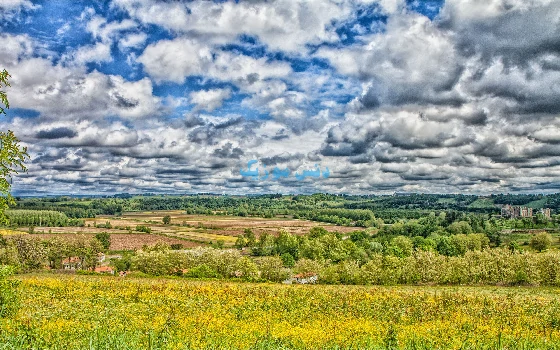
489	266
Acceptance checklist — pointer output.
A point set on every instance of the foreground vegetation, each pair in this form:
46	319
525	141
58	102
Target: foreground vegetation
83	312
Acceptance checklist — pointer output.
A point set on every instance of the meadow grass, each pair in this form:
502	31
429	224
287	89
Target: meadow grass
89	312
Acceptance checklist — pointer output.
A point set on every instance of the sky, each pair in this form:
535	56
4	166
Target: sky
284	96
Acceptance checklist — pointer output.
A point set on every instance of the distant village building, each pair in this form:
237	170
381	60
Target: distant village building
72	263
525	212
514	212
545	212
509	211
303	278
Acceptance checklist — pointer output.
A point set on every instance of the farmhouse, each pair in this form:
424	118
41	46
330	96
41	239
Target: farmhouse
303	278
105	270
72	263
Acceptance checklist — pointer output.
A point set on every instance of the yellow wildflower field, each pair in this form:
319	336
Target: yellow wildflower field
8	232
89	312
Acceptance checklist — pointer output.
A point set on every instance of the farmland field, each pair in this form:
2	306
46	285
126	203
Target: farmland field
78	312
122	241
199	229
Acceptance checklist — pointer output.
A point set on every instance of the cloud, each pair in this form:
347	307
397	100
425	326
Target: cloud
106	31
12	8
515	30
56	133
99	52
209	100
56	91
134	40
287	25
175	60
15	47
178	96
411	62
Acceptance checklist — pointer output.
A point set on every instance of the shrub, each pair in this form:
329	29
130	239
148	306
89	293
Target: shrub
288	260
272	269
166	220
203	271
307	265
143	228
9	296
541	241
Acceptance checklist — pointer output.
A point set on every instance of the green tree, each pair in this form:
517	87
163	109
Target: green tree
12	155
460	227
317	231
240	242
272	269
265	245
401	246
104	238
4	75
249	235
166	220
288	260
541	241
122	264
287	243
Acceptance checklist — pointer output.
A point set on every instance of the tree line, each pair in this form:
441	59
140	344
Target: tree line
49	218
338	209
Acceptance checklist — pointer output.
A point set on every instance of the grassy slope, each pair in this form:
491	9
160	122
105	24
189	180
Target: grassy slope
539	204
482	203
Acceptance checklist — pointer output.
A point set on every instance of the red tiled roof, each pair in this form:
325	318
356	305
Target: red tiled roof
103	269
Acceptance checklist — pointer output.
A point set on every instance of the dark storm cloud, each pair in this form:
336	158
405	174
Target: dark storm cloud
347	145
547	105
123	102
340	150
55	155
543	151
280	136
360	159
229	122
194	171
69	166
391	156
476	118
56	133
517	32
424	177
485	179
394	168
192	121
429	92
281	158
228	151
212	133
